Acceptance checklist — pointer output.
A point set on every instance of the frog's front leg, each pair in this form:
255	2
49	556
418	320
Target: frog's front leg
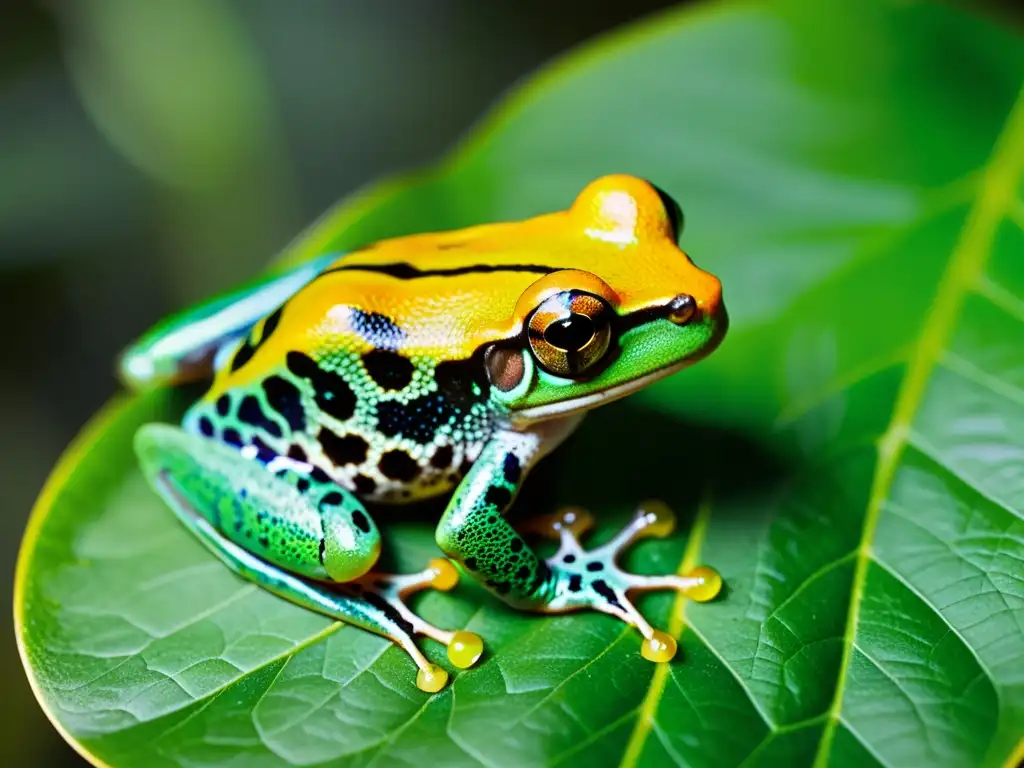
474	532
299	535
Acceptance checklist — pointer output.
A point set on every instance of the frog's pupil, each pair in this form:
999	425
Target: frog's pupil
570	333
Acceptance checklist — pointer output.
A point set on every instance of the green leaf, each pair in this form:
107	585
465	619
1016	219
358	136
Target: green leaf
850	459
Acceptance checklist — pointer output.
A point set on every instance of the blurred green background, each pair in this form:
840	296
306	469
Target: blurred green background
154	152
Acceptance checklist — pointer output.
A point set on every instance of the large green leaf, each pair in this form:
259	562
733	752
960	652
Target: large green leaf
852	458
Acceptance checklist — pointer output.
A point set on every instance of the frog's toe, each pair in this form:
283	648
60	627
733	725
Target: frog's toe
387	593
593	579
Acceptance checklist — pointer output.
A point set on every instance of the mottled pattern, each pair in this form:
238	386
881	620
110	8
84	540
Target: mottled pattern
475	532
286	516
387	427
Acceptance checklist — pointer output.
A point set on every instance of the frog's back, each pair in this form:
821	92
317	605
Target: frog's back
367	374
373	372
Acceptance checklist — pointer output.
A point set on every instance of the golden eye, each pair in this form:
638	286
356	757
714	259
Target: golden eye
570	332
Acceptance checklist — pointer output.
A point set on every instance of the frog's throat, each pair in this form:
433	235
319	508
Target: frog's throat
524	418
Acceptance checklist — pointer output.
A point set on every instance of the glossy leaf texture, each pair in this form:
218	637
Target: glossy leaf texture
851	459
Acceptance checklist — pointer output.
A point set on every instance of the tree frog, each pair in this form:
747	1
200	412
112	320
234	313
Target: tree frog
414	367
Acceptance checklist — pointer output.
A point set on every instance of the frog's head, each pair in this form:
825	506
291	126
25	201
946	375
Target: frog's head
625	308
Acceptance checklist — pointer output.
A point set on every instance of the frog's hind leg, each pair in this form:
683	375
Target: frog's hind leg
374	602
307	540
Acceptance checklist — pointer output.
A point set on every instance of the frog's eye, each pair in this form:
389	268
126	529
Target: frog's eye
570	332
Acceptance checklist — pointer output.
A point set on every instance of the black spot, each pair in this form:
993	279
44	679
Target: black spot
360	521
517	545
231	437
206	426
377	329
223	405
349	449
302	365
462	382
264	541
295	452
323	548
503	587
602	588
498	496
302	484
595	566
250	412
523	572
333	498
569	559
243	355
364	485
470	562
575	583
264	453
270	325
442	457
319	475
398	465
511	469
389	369
417	420
285	398
247	348
333	395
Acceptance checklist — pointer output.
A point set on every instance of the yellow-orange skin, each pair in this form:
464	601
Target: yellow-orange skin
616	228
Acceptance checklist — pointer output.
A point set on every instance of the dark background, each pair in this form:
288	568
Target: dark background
154	152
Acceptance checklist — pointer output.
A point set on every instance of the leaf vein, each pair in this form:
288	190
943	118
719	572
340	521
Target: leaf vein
649	707
996	194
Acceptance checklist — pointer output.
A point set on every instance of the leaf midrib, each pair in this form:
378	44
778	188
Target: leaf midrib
677	622
996	199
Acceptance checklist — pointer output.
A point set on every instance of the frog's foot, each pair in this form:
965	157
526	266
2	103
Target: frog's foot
582	579
385	596
373	602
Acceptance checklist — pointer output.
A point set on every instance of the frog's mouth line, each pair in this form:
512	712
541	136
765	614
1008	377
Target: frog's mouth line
529	416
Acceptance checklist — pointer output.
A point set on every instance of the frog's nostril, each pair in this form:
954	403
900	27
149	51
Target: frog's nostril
682	309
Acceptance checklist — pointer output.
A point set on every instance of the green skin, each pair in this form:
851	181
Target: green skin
285	524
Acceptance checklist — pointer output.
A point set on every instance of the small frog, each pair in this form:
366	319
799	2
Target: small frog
419	365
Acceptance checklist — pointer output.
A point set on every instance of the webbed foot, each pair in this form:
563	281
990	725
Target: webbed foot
374	602
582	579
385	594
266	527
